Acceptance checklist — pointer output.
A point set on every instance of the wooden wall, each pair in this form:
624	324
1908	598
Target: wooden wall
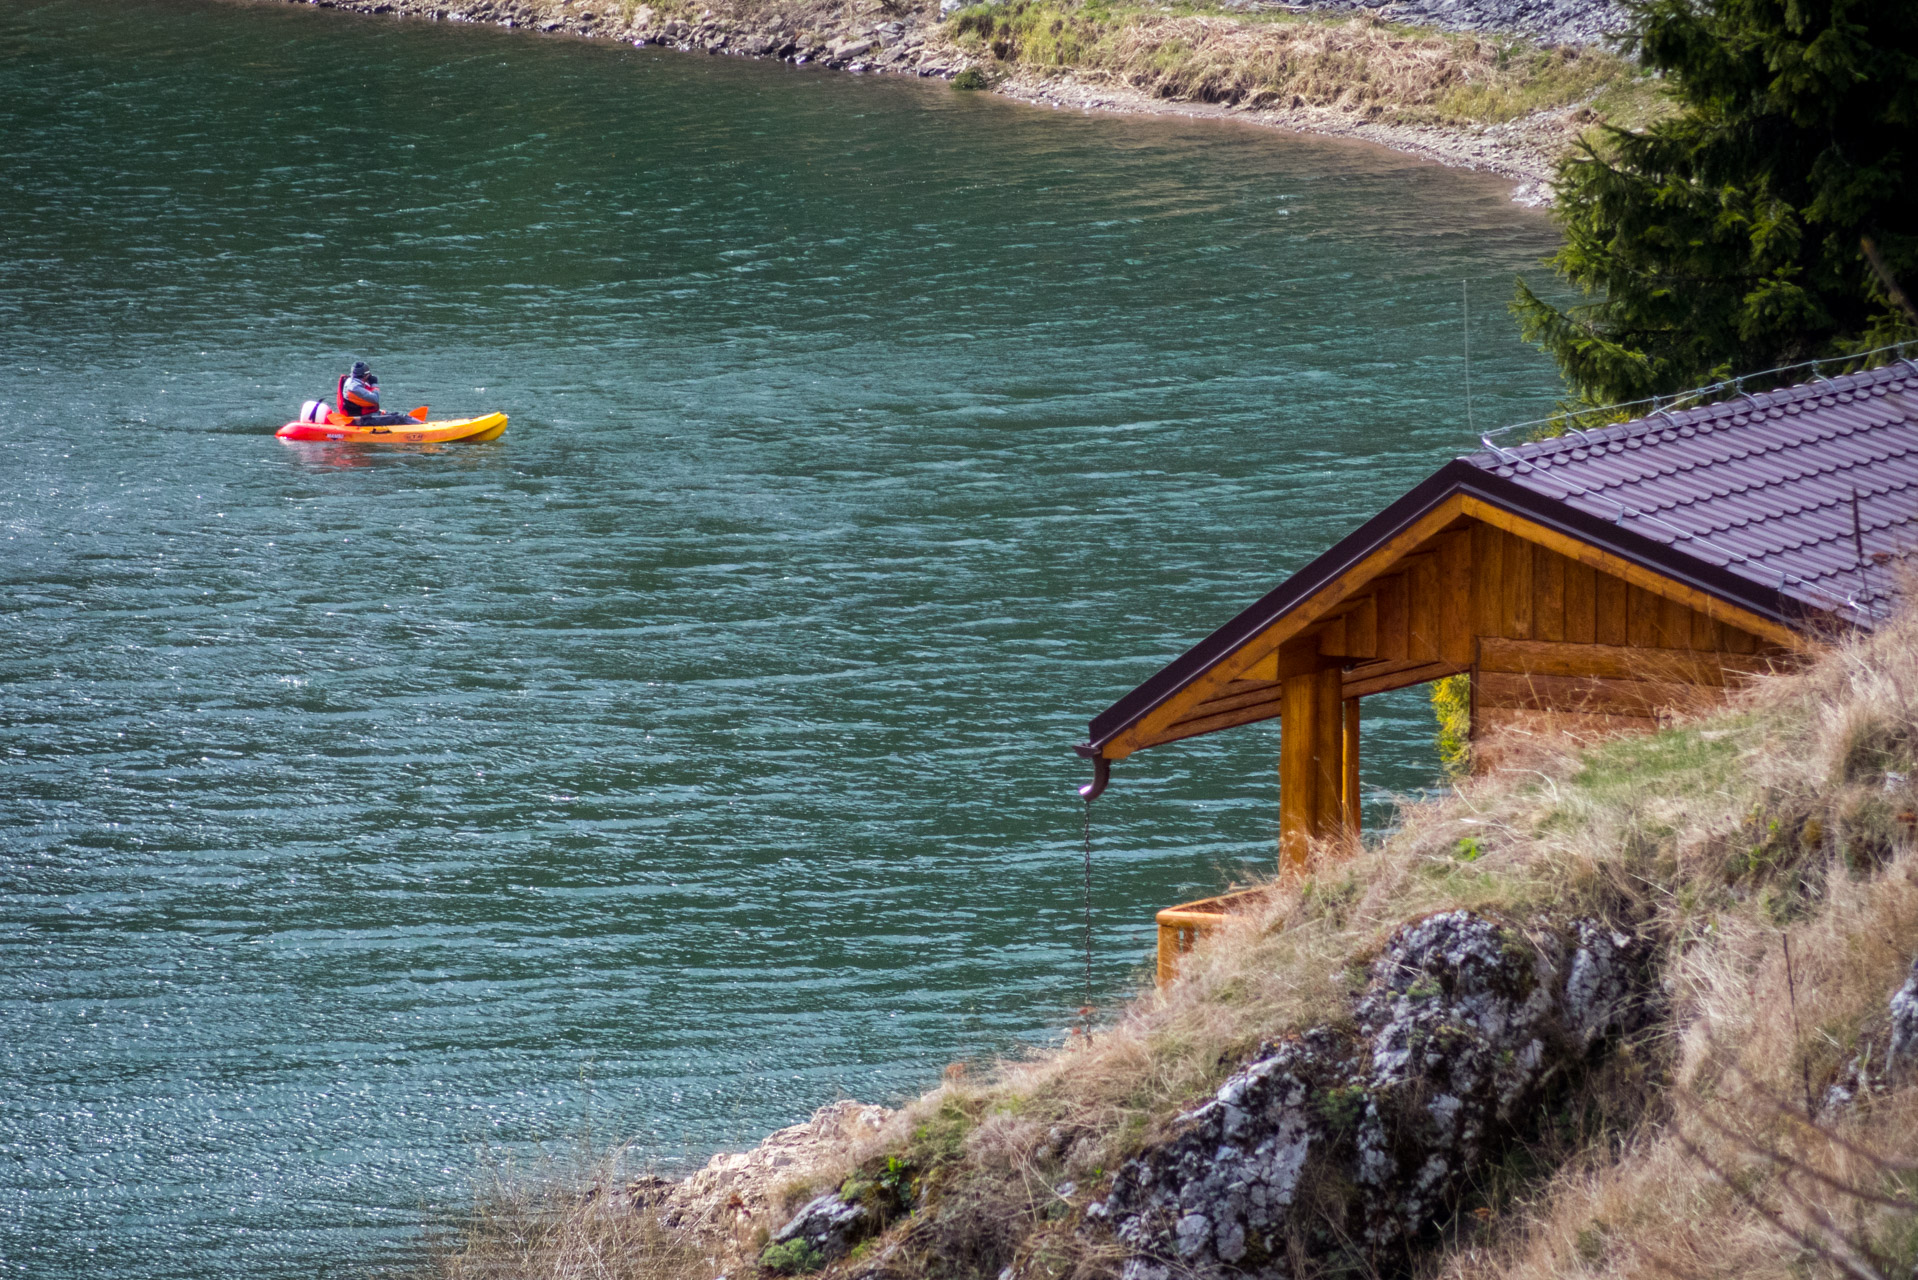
1522	617
1546	638
1563	645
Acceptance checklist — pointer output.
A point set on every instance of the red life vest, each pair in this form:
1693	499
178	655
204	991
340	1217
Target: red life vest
351	408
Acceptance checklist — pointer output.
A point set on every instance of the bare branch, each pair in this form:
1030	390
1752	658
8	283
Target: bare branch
1798	1165
1778	1223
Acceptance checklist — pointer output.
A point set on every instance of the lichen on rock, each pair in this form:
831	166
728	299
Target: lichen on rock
829	1225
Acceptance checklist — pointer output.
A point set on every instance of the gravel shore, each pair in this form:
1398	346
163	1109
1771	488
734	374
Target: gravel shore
874	37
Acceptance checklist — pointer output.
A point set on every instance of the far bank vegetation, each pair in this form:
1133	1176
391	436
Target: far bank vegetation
1355	65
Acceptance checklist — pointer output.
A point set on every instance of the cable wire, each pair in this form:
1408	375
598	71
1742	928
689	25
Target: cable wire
1086	1011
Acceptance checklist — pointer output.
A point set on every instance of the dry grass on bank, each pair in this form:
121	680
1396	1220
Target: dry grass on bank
1731	1179
548	1224
1790	817
1358	65
1784	817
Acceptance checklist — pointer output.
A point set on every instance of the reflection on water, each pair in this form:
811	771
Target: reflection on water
698	752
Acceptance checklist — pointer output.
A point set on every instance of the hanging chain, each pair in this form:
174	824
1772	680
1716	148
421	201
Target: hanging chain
1086	1011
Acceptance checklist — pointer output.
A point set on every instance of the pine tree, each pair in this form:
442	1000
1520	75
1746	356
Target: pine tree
1731	236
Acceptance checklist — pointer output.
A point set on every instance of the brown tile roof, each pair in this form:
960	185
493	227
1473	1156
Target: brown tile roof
1762	486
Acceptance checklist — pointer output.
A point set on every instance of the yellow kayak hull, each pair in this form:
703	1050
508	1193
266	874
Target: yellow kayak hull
486	427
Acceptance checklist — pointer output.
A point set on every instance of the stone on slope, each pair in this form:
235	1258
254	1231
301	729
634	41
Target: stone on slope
1354	1144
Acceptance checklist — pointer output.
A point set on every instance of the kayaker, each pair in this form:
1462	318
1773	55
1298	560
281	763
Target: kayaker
357	397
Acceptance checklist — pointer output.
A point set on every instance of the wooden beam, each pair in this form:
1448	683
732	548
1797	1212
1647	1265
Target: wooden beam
1674	626
1636	574
1455	597
1328	755
1620	662
1350	764
1641	614
1611	597
1548	595
1581	603
1422	575
1295	658
1705	632
1592	695
1332	638
1383	677
1354	633
1221	720
1298	771
1392	618
1240	693
1488	558
1518	590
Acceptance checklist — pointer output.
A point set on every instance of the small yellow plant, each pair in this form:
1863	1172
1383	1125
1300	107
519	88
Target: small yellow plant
1452	706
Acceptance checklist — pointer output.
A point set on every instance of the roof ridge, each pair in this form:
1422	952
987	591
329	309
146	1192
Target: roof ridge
1702	416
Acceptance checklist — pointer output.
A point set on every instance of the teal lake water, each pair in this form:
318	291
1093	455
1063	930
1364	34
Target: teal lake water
699	752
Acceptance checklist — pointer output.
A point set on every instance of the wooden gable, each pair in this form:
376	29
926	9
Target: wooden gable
1543	621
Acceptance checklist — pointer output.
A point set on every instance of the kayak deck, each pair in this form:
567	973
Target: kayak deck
485	427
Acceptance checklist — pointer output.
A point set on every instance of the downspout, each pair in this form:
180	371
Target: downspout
1101	775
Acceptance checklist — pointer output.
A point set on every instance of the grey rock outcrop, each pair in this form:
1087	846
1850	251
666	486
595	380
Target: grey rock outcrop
832	1226
1355	1143
1902	1060
740	1189
1225	1188
1881	1064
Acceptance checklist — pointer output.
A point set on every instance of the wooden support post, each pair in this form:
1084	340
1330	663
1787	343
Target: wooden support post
1298	771
1314	793
1351	766
1328	754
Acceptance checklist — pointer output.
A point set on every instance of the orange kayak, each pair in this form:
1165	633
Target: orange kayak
485	427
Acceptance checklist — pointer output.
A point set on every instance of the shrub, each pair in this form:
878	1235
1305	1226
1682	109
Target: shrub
1452	705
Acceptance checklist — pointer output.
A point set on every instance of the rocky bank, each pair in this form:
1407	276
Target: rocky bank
1347	1145
921	38
739	1192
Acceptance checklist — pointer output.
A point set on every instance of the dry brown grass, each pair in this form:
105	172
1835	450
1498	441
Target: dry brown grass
1736	1179
580	1224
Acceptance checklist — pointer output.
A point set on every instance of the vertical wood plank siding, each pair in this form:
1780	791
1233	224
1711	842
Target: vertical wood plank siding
1586	658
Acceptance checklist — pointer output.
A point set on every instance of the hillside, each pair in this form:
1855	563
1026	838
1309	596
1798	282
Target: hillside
1643	1008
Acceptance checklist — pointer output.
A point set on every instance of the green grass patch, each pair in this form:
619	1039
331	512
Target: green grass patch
1673	761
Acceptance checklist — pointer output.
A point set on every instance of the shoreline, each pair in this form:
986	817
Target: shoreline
1513	152
876	38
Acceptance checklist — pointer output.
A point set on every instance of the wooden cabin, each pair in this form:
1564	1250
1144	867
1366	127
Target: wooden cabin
1600	580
